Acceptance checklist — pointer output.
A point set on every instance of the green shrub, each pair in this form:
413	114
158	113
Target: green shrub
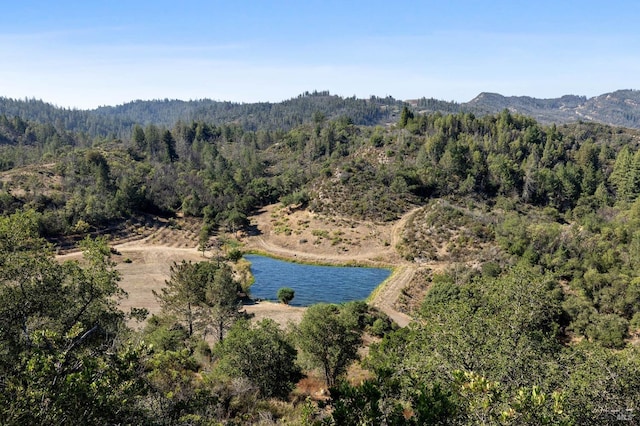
609	330
380	327
234	254
285	295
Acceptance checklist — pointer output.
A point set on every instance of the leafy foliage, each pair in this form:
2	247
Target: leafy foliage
285	295
203	296
263	355
61	361
329	337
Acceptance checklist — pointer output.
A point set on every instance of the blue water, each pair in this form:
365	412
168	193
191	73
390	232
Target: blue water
311	283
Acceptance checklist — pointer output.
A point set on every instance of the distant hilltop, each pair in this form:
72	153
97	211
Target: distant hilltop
619	108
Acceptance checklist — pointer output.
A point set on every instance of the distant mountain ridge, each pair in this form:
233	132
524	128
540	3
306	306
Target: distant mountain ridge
619	108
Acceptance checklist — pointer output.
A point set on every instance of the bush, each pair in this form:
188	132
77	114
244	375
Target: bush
234	255
297	198
491	269
285	295
609	330
634	324
380	327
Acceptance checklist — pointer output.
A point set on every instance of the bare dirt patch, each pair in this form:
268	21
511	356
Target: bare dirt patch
34	179
280	313
305	235
144	265
144	268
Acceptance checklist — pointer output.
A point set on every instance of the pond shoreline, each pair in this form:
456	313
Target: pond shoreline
304	259
393	269
313	283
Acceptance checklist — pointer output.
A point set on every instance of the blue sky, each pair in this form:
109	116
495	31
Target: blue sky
88	53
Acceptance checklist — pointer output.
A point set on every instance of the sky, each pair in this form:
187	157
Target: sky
85	54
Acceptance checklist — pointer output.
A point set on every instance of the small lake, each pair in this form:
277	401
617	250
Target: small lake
311	283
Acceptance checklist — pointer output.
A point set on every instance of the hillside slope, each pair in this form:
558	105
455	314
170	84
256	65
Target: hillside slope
619	108
118	120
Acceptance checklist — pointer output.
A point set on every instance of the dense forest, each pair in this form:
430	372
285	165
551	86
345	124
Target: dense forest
535	322
117	121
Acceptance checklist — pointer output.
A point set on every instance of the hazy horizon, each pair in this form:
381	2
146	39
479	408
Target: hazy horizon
83	55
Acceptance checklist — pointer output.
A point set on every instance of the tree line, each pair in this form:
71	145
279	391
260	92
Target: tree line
117	121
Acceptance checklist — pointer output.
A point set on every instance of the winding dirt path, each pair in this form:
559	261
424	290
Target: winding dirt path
386	296
263	244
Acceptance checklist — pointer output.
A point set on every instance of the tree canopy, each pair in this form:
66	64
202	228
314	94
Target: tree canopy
262	354
329	337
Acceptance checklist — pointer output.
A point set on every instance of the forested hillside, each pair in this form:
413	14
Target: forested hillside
621	108
117	121
536	321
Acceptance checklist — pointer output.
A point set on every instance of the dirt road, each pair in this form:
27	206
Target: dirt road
386	296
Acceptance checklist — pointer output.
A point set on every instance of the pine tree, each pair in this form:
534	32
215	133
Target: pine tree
621	178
